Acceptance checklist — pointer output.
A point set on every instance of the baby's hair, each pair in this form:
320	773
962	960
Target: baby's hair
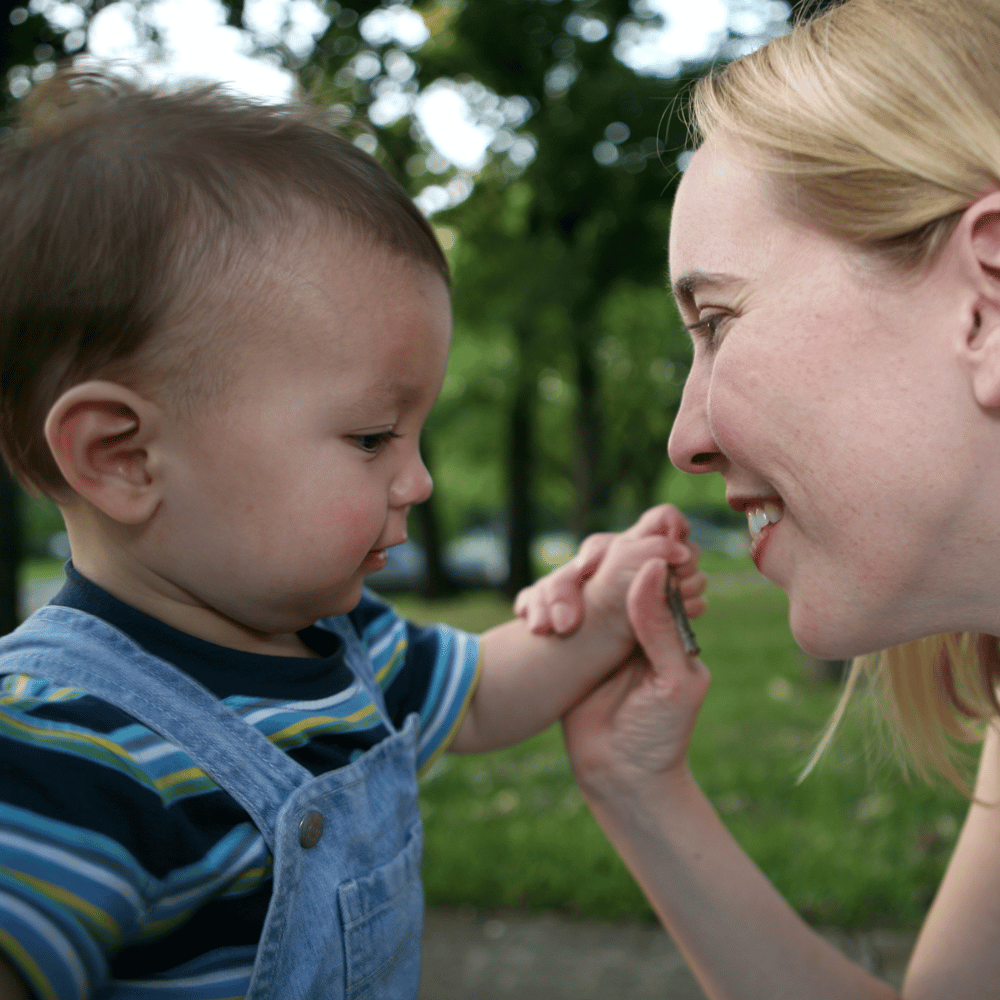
121	205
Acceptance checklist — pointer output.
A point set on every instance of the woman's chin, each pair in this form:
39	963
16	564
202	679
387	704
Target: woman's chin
824	636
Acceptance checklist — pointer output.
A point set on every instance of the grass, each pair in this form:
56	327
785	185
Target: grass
853	846
39	569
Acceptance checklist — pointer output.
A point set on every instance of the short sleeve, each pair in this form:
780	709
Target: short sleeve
432	670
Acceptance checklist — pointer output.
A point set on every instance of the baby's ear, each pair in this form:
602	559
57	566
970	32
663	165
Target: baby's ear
102	437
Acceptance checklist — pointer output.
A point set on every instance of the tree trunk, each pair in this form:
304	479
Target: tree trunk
10	550
591	496
520	461
438	582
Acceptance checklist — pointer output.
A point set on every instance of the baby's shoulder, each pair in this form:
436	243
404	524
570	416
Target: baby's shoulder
70	757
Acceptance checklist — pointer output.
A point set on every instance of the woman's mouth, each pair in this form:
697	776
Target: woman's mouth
759	517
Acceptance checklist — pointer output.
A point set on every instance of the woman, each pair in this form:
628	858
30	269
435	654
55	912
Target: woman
835	252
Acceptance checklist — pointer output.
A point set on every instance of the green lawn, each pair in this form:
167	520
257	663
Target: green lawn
40	569
853	846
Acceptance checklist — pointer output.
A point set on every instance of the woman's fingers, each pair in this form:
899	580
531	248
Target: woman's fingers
653	624
692	589
651	619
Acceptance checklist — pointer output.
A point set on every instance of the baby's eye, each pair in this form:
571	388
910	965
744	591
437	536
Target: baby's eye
372	443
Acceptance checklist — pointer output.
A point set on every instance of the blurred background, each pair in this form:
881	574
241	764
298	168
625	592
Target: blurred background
544	139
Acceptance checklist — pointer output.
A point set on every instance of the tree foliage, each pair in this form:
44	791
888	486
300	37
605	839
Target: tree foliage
568	358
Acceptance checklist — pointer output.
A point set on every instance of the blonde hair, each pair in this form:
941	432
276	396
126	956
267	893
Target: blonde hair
881	119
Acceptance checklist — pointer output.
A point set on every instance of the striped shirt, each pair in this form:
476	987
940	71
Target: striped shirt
121	862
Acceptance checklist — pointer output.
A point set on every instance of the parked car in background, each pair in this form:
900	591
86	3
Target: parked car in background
723	533
478	558
552	550
405	570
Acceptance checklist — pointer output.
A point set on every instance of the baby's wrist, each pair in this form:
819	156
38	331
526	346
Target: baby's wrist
602	623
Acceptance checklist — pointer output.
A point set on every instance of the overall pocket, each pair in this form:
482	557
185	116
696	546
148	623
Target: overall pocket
382	915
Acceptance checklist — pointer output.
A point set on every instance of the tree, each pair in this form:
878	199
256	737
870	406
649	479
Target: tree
595	214
560	231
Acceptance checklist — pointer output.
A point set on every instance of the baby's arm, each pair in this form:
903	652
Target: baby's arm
530	677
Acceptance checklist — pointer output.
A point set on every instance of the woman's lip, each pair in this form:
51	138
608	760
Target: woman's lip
743	503
760	543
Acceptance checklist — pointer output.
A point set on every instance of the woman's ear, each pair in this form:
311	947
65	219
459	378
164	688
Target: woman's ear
979	234
103	437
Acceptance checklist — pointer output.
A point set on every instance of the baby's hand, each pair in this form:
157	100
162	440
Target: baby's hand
610	561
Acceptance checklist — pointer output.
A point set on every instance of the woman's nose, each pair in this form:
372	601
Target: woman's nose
692	447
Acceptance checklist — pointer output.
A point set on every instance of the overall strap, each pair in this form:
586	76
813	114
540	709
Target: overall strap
77	649
359	663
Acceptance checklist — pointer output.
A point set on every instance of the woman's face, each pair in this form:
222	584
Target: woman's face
830	395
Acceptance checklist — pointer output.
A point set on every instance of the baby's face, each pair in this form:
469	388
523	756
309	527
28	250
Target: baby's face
292	486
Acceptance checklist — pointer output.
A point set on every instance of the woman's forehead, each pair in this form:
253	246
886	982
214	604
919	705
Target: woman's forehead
726	218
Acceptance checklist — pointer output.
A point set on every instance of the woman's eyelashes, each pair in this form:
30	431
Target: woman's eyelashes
372	443
707	328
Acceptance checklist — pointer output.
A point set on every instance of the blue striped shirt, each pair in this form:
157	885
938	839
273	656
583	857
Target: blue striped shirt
121	861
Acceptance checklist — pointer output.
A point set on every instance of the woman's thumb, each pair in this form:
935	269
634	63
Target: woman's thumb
650	616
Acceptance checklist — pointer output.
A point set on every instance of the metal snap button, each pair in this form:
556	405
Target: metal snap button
311	829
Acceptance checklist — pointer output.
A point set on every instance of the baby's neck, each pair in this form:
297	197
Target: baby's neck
115	568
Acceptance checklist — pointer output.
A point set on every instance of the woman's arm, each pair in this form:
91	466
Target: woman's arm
628	743
740	937
958	951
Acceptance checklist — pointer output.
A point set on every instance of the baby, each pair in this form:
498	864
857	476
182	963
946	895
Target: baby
223	326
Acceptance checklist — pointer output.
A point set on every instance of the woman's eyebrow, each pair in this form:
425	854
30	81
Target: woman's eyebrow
687	285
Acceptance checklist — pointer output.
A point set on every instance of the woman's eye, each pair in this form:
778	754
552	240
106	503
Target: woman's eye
371	443
708	328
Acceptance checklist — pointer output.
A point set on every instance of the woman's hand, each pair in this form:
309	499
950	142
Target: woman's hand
637	725
556	602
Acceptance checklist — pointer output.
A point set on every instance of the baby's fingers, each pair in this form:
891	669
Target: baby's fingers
563	587
542	612
555	603
664	519
691	589
584	564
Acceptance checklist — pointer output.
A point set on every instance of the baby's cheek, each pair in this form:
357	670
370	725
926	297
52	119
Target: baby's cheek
358	520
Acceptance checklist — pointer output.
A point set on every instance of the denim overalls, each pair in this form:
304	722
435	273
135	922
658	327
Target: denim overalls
347	905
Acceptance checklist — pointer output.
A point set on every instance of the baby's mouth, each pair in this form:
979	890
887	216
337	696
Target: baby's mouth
760	516
376	559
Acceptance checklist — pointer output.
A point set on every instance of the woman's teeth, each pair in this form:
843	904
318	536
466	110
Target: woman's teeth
759	518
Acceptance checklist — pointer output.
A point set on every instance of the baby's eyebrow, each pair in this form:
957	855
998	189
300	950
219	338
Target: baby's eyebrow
401	393
687	285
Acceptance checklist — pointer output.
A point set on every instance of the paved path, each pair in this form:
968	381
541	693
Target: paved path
504	955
